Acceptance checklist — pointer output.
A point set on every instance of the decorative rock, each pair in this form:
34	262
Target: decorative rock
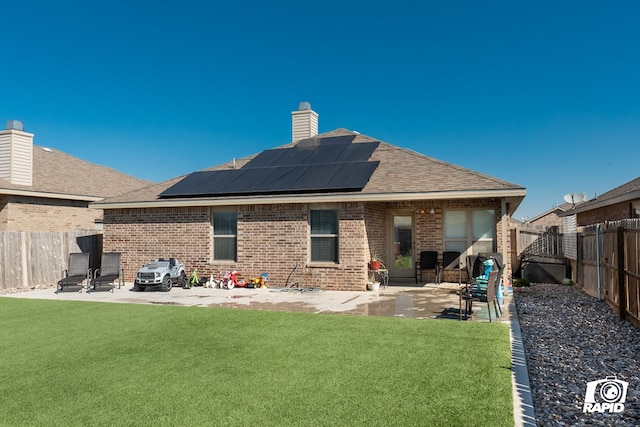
570	339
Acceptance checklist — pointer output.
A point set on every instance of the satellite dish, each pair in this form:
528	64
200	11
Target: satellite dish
574	198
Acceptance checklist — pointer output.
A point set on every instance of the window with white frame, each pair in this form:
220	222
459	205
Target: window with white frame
470	231
225	227
324	235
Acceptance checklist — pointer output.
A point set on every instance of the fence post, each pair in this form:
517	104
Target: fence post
579	278
622	289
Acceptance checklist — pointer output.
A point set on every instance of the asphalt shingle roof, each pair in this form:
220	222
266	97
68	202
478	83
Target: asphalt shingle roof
60	173
628	190
400	171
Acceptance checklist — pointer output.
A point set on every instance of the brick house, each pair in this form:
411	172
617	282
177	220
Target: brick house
622	202
43	189
552	217
326	201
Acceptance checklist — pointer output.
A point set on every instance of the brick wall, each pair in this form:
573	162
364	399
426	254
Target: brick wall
274	238
549	220
4	213
142	235
376	232
40	214
271	238
614	212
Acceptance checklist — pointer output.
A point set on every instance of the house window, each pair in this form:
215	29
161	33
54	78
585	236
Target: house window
225	227
474	229
324	235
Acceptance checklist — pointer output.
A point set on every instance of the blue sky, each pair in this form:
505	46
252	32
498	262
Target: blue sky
543	94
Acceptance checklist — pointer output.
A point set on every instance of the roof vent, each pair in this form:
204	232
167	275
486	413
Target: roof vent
15	125
304	105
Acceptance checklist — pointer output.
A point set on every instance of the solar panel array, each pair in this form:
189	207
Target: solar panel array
312	165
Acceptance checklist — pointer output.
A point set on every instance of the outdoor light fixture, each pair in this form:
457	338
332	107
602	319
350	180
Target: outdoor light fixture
422	211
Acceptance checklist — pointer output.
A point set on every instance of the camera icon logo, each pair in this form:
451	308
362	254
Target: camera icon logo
606	395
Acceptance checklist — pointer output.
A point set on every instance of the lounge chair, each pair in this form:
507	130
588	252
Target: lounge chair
77	272
108	274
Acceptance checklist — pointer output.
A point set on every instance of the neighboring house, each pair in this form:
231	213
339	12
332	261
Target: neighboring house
622	202
325	202
551	218
42	189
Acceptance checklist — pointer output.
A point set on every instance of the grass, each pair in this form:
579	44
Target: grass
80	363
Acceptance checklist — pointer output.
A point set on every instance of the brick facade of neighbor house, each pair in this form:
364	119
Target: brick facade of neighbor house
39	214
550	220
612	212
45	190
622	202
274	238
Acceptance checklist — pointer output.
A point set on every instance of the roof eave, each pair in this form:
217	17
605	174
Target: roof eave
28	193
516	194
633	195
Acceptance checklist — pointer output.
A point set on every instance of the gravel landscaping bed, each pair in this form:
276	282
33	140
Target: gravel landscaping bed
570	339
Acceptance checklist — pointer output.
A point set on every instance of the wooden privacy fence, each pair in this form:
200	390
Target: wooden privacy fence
609	265
37	259
528	239
539	241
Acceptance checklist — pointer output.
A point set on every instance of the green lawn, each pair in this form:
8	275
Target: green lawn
81	363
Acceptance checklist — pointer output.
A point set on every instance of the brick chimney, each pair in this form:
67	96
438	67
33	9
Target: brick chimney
304	122
16	154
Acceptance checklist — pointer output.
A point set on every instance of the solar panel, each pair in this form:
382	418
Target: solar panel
281	178
312	165
294	156
343	139
352	176
325	154
265	158
202	183
358	152
247	180
184	186
316	177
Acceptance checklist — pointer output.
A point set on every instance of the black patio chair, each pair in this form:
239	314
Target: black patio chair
77	272
468	295
428	261
480	287
109	274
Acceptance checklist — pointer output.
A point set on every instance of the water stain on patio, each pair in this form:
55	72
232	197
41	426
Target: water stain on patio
415	304
280	306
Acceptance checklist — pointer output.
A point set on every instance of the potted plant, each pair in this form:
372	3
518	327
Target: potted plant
374	262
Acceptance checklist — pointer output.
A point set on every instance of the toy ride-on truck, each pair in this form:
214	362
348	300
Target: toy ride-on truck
161	274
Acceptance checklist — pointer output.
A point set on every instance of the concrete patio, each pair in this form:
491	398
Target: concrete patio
398	300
